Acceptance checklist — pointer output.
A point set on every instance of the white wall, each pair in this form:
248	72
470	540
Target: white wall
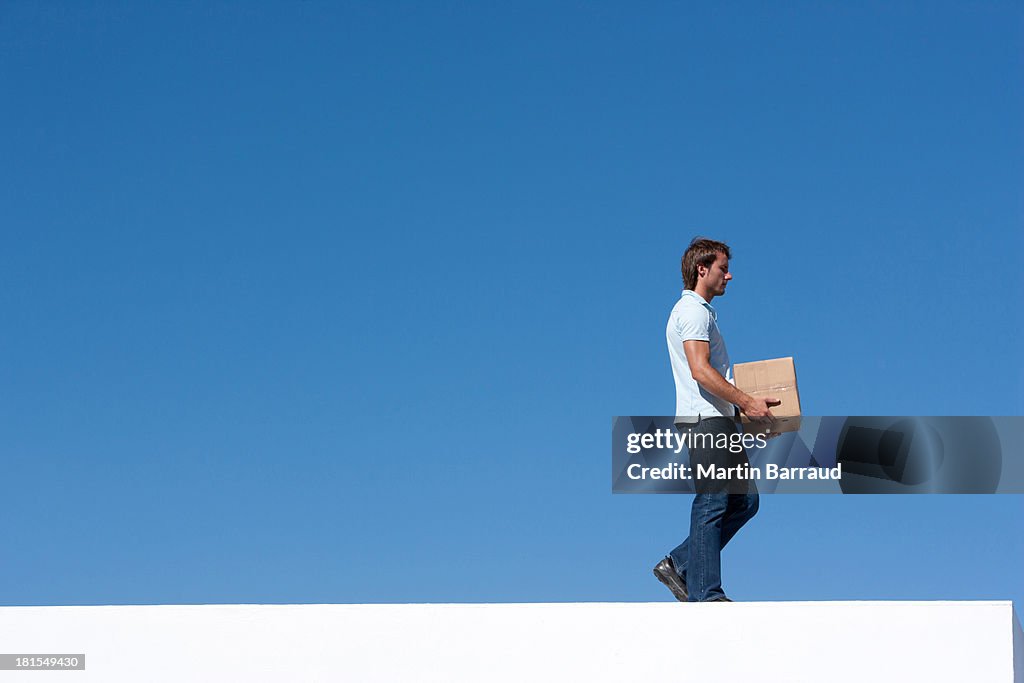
591	642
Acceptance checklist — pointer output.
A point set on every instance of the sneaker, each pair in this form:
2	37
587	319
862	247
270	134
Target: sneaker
665	571
720	598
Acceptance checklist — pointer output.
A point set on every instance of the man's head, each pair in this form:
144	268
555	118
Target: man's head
706	267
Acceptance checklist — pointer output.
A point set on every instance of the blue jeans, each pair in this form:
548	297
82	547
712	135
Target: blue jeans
715	517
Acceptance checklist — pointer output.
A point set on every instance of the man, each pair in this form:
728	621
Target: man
706	403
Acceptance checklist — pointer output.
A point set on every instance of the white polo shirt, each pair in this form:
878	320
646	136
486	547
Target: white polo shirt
694	318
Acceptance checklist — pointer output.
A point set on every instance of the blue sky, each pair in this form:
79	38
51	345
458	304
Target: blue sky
334	302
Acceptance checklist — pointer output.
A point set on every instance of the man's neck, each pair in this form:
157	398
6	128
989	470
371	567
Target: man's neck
703	293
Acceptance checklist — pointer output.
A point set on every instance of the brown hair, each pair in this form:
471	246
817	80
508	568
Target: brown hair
701	252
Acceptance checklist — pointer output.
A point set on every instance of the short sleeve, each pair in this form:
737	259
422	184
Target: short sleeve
693	323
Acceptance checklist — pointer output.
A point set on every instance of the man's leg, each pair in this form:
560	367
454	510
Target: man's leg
704	546
718	516
715	515
741	508
703	565
743	501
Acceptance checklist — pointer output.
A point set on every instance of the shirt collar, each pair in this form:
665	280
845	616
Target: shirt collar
705	304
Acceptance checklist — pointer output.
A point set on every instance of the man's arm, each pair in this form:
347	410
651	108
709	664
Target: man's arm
698	356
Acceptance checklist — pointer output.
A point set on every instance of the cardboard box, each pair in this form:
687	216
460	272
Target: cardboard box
776	377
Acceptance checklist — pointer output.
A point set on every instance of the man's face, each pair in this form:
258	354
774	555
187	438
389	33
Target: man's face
717	276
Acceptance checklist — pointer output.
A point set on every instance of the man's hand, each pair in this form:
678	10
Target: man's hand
757	408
